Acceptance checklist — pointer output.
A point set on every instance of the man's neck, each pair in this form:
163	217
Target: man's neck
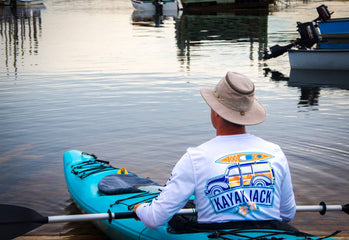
223	127
233	130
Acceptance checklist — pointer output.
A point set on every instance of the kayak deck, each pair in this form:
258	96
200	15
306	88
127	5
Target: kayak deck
83	173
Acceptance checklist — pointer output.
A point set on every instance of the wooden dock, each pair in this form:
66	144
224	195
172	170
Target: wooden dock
224	5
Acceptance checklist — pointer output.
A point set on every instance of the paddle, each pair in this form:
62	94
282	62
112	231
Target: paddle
16	221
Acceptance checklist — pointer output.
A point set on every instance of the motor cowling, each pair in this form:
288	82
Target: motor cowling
323	12
309	35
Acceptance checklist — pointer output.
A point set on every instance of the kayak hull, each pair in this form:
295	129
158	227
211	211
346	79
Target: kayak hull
82	175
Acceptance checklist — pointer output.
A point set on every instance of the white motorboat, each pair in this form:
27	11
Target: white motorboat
329	55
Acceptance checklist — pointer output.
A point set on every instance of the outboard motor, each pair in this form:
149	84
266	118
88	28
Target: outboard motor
277	50
323	12
309	35
158	6
158	12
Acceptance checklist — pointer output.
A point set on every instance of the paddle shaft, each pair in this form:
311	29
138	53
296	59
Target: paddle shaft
319	208
187	211
105	216
90	217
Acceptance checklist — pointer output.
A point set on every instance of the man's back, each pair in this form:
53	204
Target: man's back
239	177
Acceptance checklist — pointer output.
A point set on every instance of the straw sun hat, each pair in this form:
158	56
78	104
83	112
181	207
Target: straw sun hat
233	99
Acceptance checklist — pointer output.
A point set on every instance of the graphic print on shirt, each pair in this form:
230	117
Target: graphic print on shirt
248	182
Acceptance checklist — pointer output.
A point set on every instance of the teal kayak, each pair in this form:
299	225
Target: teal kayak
97	187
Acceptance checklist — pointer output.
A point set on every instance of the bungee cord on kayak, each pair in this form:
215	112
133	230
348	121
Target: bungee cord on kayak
88	168
83	170
136	197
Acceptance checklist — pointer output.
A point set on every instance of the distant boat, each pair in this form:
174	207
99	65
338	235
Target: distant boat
335	28
330	56
23	2
150	5
331	27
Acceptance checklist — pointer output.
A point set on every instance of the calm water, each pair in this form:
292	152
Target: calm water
98	77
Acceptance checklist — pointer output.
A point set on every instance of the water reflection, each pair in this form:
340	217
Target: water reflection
80	228
232	27
310	82
275	75
309	99
20	30
319	78
153	18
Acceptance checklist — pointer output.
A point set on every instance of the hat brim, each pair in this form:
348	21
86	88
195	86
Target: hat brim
255	115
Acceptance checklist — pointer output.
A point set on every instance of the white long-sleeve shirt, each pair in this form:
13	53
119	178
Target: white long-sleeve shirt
233	178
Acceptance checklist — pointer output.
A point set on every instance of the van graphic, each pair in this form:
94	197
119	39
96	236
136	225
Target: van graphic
258	174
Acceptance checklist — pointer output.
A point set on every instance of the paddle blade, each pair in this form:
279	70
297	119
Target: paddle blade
16	221
345	208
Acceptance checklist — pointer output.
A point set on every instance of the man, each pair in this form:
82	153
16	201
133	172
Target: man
234	176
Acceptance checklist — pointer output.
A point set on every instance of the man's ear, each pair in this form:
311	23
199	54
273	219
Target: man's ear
216	115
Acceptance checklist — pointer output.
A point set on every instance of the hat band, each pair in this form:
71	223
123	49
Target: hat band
238	90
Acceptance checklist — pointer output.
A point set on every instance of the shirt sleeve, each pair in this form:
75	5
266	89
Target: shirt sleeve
287	201
173	197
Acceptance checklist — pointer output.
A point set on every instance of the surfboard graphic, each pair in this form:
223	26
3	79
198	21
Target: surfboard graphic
244	157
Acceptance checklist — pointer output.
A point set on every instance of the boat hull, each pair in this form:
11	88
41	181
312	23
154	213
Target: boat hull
82	175
149	6
335	28
330	59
